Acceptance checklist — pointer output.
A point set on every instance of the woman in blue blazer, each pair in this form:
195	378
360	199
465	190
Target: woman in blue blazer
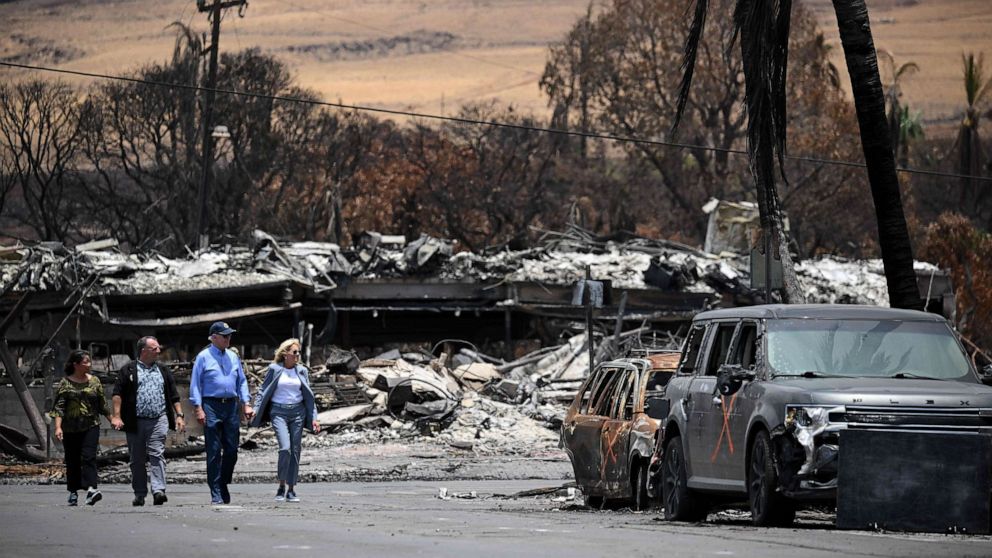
285	399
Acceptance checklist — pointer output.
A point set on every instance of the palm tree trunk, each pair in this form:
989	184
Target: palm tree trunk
893	235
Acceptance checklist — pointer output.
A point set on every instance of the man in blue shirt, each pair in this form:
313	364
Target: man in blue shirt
218	391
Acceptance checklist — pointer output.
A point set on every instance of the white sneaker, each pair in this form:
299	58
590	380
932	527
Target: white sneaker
93	496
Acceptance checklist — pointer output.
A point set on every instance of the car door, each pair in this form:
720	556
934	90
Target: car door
707	435
582	432
679	388
616	433
739	407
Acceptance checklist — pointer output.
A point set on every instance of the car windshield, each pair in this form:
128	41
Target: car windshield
865	348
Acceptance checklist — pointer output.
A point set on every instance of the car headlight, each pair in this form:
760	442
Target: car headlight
807	417
806	422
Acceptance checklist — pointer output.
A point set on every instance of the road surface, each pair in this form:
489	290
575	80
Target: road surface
359	519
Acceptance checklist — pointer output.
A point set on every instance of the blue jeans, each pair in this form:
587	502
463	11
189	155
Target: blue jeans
221	434
287	421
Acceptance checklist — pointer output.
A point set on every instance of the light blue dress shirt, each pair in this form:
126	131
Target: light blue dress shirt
217	373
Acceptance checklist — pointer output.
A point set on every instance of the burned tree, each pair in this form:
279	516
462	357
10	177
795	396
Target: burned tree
629	84
764	28
39	149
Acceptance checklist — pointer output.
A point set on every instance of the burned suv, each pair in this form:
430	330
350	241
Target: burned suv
610	430
767	399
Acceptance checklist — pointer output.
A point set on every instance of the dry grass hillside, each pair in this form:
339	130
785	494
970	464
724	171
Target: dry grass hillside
931	33
434	56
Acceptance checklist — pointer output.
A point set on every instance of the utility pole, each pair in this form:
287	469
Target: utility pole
214	9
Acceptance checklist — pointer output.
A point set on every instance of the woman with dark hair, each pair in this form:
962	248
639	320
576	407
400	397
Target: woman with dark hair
79	403
286	399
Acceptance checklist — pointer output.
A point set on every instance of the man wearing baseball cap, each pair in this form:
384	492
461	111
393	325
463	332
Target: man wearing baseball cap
218	392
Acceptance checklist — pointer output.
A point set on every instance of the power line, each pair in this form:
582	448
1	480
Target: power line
463	120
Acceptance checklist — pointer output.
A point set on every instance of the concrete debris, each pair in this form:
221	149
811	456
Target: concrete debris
424	379
476	375
412	402
841	281
443	494
567	496
341	415
637	263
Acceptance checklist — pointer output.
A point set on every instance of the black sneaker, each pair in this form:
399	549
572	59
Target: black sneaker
225	494
291	496
138	501
93	496
281	494
73	499
159	498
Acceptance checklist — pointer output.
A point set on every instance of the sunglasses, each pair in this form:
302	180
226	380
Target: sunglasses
294	353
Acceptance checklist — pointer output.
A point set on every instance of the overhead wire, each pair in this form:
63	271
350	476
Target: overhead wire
477	122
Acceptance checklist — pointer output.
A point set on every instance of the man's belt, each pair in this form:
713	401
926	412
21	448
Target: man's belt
221	399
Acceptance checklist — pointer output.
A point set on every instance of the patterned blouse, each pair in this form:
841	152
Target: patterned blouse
80	405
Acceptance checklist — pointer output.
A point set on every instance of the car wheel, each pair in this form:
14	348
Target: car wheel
768	506
680	502
642	501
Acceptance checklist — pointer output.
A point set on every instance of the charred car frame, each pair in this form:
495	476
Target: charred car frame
610	430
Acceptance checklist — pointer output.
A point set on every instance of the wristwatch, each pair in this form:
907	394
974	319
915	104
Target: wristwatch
180	415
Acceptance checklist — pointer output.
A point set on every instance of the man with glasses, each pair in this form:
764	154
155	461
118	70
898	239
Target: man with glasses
218	391
146	407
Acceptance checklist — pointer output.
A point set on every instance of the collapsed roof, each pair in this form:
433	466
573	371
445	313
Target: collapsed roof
320	267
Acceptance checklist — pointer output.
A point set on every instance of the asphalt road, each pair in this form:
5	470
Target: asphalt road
407	518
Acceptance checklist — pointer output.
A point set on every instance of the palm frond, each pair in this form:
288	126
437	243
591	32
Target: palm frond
763	28
972	77
886	62
780	64
906	69
689	52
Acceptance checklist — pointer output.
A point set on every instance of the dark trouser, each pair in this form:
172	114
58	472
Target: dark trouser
147	444
221	434
80	458
287	421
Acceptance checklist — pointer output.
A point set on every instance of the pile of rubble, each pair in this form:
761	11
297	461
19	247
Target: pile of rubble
465	400
560	259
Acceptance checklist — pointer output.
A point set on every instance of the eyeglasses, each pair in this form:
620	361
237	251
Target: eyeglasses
294	353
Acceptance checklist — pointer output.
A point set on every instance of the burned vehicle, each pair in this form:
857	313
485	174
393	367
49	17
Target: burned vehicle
610	429
874	410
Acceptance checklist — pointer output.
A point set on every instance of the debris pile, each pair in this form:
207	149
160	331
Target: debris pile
560	259
460	401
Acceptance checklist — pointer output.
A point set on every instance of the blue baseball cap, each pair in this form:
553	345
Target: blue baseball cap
221	328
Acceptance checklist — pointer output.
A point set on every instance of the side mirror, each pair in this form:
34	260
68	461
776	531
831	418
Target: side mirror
985	375
657	407
730	378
